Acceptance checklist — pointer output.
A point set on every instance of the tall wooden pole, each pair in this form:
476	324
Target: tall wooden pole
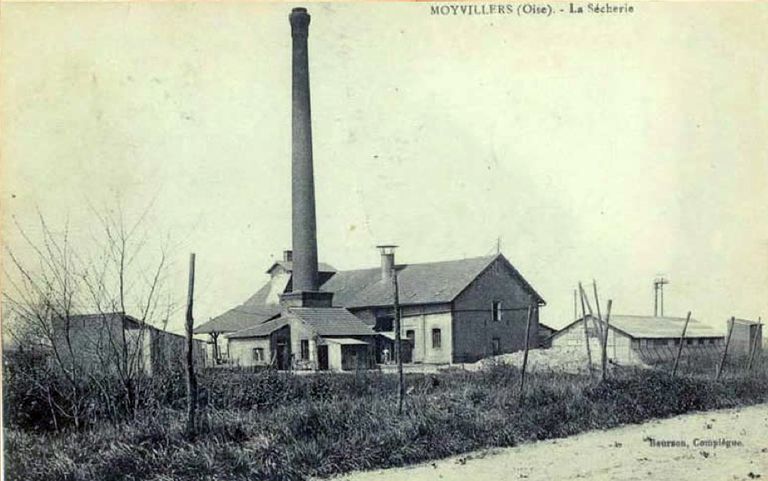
758	335
586	332
398	340
589	307
597	306
525	355
604	362
575	309
682	340
191	378
599	324
725	351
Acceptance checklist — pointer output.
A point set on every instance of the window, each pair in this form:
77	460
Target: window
258	354
496	345
410	334
496	311
305	349
384	323
436	340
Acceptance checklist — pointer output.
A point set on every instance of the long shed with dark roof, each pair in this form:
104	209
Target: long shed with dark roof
634	339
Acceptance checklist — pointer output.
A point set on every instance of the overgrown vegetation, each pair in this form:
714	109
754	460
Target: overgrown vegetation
273	426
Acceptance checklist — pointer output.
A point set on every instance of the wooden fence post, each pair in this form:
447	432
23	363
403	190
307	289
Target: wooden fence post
525	355
758	335
586	332
398	341
191	377
680	348
605	339
725	351
597	306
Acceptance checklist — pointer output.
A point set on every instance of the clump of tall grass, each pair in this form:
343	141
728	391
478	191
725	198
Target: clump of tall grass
278	426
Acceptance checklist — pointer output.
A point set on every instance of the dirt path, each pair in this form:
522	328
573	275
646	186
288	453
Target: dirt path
618	454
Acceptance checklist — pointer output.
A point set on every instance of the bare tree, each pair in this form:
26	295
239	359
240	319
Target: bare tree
89	306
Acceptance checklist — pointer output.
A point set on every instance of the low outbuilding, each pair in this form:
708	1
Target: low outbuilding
634	340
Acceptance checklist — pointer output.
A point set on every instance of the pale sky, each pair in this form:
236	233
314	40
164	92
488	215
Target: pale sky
612	148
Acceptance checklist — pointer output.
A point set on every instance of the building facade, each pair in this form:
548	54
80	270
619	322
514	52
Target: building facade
451	312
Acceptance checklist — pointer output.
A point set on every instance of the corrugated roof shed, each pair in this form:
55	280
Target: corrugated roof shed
650	327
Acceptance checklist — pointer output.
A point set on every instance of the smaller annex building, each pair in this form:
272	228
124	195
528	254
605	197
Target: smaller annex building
747	336
327	338
634	340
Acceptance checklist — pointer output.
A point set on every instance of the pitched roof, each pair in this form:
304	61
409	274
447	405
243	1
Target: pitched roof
262	329
650	327
325	321
427	283
288	266
332	321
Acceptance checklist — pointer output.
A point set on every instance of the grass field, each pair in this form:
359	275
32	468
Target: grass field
274	426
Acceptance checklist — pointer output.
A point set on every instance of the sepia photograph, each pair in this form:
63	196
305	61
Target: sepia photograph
369	241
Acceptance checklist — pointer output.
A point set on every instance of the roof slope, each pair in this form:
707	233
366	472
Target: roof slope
288	266
427	283
332	321
253	311
325	321
650	327
260	330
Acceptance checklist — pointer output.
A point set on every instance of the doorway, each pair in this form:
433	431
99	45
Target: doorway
282	355
322	358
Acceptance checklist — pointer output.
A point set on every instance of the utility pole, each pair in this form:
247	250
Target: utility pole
658	295
498	245
586	332
755	346
191	378
575	309
525	355
398	340
721	366
682	341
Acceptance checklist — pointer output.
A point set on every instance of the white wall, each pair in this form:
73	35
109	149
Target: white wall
422	325
334	356
241	351
619	346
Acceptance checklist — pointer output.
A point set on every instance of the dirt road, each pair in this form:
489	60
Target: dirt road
681	450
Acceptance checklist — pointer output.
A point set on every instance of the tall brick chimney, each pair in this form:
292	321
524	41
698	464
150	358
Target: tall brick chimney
305	277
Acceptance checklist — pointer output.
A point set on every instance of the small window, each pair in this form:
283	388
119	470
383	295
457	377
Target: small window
384	323
689	341
496	346
437	341
258	354
305	349
496	311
